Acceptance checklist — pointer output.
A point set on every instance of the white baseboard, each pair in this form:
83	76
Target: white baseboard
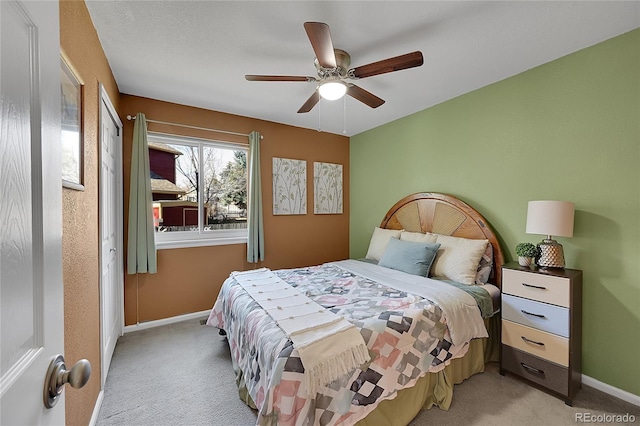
165	321
96	409
613	391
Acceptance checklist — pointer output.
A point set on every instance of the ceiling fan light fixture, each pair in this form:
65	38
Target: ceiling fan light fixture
332	90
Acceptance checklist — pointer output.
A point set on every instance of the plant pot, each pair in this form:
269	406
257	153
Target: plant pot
525	261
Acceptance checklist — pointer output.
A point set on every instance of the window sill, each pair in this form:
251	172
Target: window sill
201	242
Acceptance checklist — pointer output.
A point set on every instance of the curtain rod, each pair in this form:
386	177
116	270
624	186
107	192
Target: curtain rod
129	117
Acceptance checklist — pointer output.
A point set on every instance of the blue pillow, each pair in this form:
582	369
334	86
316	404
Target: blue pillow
409	256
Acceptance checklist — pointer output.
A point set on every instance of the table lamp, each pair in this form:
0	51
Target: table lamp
551	218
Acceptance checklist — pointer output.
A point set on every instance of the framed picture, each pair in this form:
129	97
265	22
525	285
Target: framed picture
289	186
327	188
71	126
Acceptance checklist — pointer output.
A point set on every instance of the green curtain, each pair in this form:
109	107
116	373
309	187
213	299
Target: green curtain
255	238
141	244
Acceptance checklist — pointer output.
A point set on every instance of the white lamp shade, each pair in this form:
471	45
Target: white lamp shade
553	218
332	90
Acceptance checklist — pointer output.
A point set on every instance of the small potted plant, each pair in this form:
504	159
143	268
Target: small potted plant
526	253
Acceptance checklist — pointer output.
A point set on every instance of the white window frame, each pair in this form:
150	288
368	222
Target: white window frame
185	239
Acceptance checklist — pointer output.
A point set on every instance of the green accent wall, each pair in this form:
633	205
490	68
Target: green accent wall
566	130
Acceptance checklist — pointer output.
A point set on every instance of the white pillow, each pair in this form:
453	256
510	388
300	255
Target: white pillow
458	258
379	241
418	237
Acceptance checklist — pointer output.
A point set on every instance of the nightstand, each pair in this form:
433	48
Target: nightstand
542	327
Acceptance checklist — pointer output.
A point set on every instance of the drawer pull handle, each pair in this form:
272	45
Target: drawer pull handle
531	369
534	286
532	314
532	341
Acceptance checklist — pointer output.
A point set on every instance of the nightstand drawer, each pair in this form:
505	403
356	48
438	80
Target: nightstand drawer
539	343
551	318
544	373
545	288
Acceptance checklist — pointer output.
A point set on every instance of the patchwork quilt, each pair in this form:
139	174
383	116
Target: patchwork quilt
407	336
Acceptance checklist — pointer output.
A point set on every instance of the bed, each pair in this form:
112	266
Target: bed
420	335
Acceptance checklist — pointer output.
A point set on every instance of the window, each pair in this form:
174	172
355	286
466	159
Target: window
199	190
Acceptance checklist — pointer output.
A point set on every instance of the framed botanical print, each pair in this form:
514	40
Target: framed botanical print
289	186
71	126
327	188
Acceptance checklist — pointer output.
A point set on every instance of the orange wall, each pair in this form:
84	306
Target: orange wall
80	246
188	280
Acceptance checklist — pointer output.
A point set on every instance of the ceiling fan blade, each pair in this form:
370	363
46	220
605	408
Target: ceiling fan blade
320	38
402	62
363	96
311	102
251	77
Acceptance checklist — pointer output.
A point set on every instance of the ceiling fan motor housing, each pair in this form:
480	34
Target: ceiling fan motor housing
343	60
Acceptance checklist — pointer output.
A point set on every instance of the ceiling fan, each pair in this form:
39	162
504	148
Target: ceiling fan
334	72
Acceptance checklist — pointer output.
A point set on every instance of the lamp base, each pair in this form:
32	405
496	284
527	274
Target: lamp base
551	254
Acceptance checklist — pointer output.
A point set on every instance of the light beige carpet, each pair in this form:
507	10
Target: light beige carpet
180	374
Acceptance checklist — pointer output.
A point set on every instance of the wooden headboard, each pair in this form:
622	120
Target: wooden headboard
447	215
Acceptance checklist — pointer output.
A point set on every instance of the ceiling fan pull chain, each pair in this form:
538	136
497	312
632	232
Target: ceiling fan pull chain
344	117
319	108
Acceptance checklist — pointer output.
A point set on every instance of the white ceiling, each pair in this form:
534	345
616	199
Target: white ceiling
197	52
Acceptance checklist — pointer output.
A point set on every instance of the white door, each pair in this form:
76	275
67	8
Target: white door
111	265
31	293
